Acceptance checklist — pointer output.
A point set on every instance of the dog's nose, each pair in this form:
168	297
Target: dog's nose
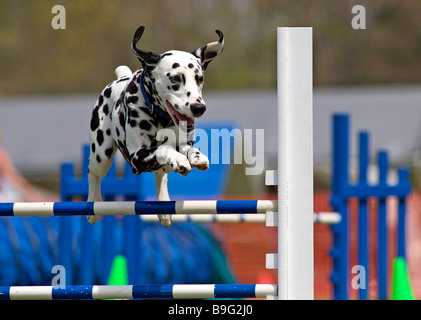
198	109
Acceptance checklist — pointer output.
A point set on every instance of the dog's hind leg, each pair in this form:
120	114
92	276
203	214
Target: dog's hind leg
94	193
98	168
161	183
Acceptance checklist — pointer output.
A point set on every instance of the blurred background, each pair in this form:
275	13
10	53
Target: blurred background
50	80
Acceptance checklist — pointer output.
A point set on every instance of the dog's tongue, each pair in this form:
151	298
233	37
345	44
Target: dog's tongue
179	116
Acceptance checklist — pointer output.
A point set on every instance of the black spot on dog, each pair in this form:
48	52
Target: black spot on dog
134	113
191	65
107	92
99	137
105	109
145	110
188	93
98	159
109	152
100	100
175	65
132	99
139	163
133	123
108	132
117	132
122	119
93	147
175	87
145	125
95	119
132	88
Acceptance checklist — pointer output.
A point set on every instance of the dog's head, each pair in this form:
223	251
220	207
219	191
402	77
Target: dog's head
176	77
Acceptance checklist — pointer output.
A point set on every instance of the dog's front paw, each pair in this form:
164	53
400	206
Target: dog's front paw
198	160
165	219
180	163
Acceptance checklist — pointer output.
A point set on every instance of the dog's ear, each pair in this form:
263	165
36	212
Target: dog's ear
147	58
210	51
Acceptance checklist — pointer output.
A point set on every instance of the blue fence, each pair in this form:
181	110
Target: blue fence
343	190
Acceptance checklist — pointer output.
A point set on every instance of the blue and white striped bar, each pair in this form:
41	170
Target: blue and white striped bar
176	291
136	207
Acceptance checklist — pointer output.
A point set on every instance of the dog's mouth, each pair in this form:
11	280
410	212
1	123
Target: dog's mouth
178	117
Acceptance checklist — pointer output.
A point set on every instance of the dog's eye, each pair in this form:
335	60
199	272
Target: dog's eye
175	78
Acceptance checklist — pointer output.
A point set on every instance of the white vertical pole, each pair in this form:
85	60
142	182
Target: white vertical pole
295	164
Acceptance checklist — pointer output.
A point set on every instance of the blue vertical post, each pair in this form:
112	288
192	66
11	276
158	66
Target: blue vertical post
403	181
382	228
362	213
340	251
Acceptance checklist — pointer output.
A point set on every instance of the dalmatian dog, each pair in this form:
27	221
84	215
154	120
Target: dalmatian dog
142	114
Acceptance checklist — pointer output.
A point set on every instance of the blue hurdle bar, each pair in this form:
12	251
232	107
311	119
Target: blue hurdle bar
175	291
136	207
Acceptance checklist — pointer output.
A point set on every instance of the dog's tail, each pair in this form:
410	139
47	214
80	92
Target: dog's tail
123	71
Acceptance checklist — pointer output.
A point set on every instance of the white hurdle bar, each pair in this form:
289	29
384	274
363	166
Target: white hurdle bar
174	291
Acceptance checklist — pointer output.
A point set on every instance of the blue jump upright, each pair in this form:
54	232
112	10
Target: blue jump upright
342	191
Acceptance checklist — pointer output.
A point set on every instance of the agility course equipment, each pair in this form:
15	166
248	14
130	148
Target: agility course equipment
295	163
175	291
34	209
402	287
343	190
118	273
